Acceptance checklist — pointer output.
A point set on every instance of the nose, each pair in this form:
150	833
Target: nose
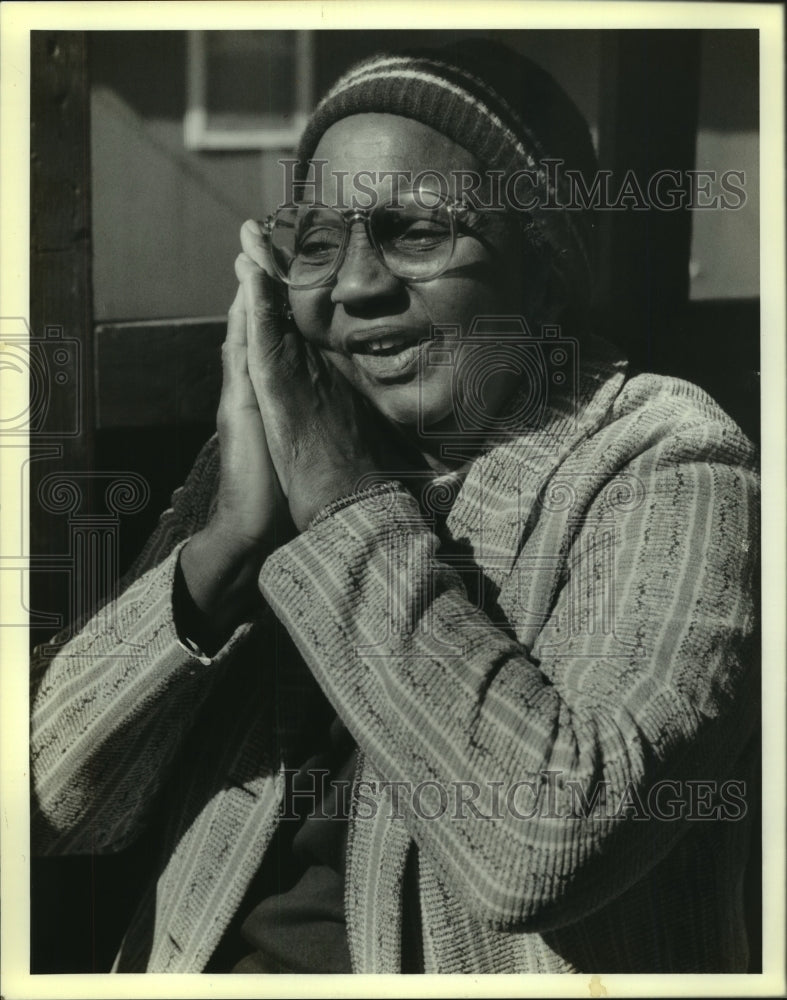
362	276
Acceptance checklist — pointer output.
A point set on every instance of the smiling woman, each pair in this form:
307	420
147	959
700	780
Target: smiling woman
446	550
400	295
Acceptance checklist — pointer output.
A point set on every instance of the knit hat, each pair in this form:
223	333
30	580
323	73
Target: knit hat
502	108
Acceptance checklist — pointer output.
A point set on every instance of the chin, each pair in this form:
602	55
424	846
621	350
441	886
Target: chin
412	408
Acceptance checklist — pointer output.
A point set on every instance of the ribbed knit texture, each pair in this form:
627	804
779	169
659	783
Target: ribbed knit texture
588	609
501	107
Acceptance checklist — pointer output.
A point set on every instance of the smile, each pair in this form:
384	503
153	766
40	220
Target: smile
389	355
390	344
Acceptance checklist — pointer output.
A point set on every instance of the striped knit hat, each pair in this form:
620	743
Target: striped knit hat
502	108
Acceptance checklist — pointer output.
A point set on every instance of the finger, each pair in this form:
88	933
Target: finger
257	248
236	320
236	386
254	244
266	331
260	295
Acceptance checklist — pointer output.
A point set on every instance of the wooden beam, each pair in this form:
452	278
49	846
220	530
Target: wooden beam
60	272
61	433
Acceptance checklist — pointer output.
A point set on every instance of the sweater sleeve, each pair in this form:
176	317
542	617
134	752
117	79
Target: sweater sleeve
112	697
535	758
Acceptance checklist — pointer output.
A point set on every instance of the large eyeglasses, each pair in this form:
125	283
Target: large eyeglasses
413	235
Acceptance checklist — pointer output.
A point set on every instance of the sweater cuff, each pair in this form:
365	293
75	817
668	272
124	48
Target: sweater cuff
194	633
358	524
382	493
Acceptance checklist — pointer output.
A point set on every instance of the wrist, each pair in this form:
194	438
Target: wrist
307	502
220	573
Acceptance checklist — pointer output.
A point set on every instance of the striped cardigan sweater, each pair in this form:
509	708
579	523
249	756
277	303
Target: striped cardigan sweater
548	667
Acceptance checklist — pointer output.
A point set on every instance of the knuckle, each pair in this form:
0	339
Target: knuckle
243	264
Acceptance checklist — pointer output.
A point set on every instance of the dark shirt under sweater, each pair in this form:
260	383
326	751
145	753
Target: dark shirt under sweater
292	916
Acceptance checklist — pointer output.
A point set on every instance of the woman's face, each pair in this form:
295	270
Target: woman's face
369	323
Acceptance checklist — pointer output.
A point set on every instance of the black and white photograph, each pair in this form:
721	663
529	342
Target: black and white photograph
390	574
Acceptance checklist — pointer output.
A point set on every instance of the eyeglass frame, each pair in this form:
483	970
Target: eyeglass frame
457	208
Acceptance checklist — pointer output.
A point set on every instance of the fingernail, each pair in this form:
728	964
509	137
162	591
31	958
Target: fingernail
256	228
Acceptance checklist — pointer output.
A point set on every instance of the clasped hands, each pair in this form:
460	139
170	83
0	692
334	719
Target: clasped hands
293	436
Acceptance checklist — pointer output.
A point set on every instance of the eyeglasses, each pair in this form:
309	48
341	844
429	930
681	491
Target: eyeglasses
414	236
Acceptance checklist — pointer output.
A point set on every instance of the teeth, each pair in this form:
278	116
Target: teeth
385	344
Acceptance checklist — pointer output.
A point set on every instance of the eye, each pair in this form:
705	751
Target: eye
414	232
318	243
423	232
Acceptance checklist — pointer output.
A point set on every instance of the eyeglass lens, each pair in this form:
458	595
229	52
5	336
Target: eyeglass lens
414	235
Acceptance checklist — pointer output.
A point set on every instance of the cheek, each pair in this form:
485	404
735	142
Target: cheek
460	303
310	315
485	287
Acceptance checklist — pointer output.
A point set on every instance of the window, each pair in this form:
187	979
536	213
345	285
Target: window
247	89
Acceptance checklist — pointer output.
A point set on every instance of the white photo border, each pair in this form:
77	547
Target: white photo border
17	19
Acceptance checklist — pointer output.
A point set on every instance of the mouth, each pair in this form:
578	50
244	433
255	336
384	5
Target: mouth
390	355
386	345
